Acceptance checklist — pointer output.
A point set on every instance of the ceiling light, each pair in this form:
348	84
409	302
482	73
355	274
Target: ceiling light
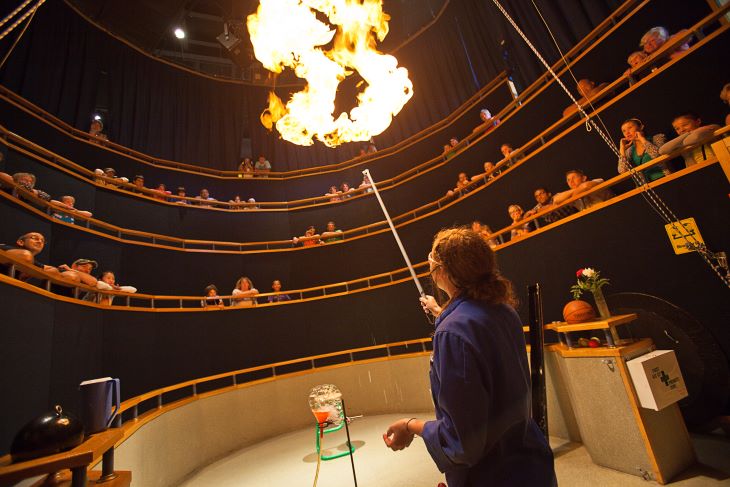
97	117
179	33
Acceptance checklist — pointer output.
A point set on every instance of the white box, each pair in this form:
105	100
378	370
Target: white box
657	379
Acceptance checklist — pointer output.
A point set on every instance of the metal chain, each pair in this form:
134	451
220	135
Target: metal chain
648	193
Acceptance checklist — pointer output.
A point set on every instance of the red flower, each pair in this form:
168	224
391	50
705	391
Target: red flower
579	273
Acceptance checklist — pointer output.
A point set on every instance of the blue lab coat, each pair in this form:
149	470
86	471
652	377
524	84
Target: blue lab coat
484	434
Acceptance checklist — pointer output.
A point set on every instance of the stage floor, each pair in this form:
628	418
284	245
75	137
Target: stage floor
290	460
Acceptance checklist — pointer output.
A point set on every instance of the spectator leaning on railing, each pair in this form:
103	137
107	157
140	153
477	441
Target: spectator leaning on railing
579	183
211	298
108	279
66	210
636	149
276	298
244	294
691	132
26	248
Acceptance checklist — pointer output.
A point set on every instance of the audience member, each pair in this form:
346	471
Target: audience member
462	185
346	190
691	132
110	173
250	204
656	37
511	156
579	183
488	171
334	194
26	248
488	122
95	130
485	232
26	181
180	196
161	192
204	196
262	167
363	152
80	271
331	234
246	168
366	184
66	209
517	214
587	89
244	293
371	148
309	239
108	278
236	202
544	200
636	149
211	298
450	148
635	60
138	182
277	298
725	96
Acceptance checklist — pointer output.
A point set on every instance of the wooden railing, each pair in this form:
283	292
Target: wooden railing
600	32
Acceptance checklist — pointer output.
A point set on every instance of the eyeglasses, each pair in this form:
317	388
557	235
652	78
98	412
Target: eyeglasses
432	260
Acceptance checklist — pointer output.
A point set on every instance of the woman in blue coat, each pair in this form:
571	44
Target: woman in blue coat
483	434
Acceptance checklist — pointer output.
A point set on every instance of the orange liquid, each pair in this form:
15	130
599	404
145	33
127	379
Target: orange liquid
321	416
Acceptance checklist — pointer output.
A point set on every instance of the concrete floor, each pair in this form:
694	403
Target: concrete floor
290	460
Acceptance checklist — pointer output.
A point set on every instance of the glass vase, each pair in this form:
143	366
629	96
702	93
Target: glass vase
601	304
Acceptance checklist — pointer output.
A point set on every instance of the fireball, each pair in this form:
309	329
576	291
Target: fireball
288	34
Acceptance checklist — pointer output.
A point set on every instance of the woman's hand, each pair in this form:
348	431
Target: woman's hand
430	305
397	436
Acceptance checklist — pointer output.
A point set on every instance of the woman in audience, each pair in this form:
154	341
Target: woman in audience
691	132
211	299
636	149
66	207
656	37
108	278
277	298
516	212
236	202
246	168
161	192
346	190
244	293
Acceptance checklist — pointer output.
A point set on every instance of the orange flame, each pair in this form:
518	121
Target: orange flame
287	34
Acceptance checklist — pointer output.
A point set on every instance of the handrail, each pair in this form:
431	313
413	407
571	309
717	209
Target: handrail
516	103
356	285
18	267
32	109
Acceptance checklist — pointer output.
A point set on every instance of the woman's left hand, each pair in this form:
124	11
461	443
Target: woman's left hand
397	436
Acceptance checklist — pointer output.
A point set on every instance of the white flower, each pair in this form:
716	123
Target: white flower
588	272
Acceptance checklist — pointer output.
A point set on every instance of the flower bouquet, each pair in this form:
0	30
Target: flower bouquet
590	280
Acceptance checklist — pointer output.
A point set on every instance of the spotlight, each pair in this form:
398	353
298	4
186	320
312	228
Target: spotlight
97	117
179	33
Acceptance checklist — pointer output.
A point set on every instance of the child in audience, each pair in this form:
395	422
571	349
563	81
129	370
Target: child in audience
108	278
309	239
67	205
243	293
246	168
211	299
277	298
636	149
691	132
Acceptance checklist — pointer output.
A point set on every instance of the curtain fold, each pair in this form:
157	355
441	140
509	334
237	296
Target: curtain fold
69	68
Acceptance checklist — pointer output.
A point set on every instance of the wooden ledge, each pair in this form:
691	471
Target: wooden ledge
84	454
622	350
123	479
563	327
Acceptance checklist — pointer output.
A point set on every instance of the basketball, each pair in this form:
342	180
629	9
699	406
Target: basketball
578	311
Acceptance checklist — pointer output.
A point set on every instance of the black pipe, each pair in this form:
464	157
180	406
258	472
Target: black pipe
537	358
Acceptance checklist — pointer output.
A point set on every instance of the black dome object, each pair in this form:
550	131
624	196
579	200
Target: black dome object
50	433
704	365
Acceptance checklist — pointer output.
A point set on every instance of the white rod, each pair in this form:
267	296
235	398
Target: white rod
366	172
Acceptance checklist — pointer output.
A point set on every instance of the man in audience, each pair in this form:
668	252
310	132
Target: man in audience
138	182
277	298
67	209
334	194
511	156
587	90
262	167
110	173
80	271
309	239
204	196
26	248
488	170
332	234
488	122
180	196
579	183
26	181
95	130
462	185
691	132
544	200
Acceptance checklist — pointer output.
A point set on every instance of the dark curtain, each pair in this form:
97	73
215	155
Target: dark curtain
69	68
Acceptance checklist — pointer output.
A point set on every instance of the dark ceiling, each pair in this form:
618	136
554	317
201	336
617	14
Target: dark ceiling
149	24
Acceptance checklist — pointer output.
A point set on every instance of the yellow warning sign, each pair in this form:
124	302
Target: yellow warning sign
683	234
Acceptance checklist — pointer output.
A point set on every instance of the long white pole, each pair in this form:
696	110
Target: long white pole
366	172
